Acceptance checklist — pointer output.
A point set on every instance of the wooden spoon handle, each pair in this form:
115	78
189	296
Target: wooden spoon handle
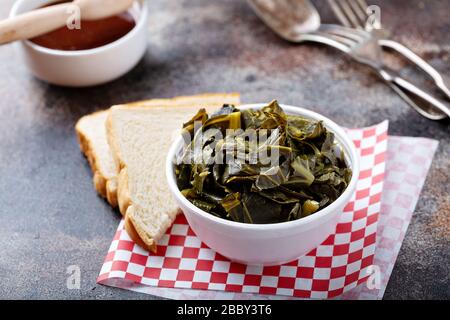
34	23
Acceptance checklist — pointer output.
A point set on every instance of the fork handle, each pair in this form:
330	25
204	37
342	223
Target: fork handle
420	100
419	62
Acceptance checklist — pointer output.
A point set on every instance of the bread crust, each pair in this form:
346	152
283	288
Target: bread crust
104	187
135	236
123	193
203	98
111	192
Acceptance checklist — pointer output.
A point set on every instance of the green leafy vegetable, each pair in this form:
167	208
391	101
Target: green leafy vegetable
260	166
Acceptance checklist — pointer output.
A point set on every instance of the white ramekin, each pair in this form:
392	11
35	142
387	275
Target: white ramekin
85	67
268	244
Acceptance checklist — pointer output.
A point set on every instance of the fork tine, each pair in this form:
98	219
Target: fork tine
356	35
363	5
349	43
343	43
339	13
346	8
358	8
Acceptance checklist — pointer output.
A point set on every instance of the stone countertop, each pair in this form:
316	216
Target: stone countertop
50	216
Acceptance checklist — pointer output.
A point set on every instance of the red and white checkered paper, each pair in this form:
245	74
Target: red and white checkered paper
408	162
338	265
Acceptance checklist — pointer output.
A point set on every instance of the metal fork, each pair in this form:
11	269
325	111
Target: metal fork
354	14
364	48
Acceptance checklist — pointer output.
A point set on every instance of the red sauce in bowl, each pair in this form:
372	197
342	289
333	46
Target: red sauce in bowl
93	34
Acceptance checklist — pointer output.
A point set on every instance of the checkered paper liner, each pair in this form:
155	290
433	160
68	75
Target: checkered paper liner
338	265
408	162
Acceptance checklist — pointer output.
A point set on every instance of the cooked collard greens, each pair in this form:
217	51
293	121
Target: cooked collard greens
260	166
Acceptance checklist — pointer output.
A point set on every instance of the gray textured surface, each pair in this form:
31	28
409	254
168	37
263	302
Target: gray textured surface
50	216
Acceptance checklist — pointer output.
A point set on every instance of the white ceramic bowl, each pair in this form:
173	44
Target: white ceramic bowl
268	244
85	67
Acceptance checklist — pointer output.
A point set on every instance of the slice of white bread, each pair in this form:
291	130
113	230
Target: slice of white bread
147	223
91	132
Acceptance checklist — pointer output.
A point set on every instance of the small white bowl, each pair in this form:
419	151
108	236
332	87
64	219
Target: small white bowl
268	244
85	67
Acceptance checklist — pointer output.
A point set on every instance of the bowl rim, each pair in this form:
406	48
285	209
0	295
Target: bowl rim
143	10
344	141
